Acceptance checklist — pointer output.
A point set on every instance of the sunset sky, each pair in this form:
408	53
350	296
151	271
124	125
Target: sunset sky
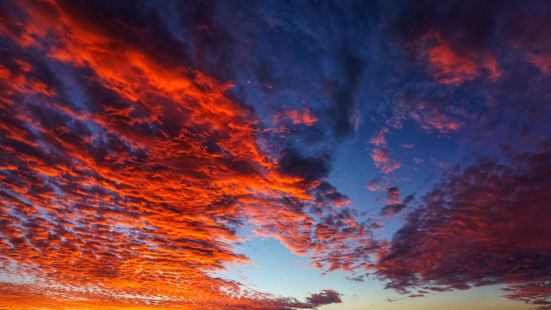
275	155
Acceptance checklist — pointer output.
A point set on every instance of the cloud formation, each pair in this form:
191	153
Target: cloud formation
450	68
299	117
380	153
126	175
393	205
483	224
324	297
141	142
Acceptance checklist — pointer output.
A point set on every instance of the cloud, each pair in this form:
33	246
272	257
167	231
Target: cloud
383	162
344	93
127	173
446	37
309	168
431	117
394	206
450	68
299	117
325	297
484	224
391	210
542	62
459	42
491	54
393	196
343	240
326	193
128	167
374	185
418	160
380	154
17	297
379	138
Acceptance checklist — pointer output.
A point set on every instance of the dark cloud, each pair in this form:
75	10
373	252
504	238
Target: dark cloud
391	210
482	26
325	297
345	101
478	67
310	168
343	241
325	192
315	300
394	206
484	224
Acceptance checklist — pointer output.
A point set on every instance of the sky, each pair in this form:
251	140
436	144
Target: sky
275	155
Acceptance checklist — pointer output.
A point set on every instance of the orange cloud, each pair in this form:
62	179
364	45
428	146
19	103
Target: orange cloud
454	68
132	197
297	117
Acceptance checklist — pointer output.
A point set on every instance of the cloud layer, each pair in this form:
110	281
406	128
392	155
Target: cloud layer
141	143
483	224
125	176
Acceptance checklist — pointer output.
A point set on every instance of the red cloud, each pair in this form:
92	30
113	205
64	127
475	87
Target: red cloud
22	81
374	185
394	205
131	194
19	297
342	242
393	194
382	160
380	154
486	224
542	62
451	67
299	117
432	117
379	138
